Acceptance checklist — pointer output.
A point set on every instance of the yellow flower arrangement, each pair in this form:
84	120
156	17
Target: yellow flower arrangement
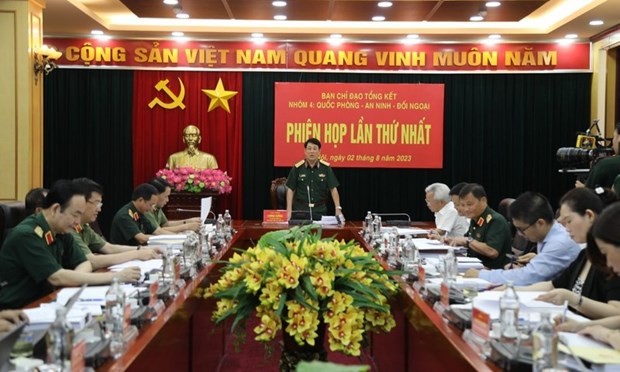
294	280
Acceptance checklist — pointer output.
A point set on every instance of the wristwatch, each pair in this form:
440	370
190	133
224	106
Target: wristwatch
469	240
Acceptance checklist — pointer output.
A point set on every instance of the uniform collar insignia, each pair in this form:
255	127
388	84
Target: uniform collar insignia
136	216
39	231
489	218
130	213
78	228
480	221
49	238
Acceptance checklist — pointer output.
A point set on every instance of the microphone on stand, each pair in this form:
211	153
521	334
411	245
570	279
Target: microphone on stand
309	203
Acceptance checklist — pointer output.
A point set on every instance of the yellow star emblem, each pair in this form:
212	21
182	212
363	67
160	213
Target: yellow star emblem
219	96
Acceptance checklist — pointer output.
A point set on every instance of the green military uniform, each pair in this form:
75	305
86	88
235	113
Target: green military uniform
127	223
30	255
87	239
157	217
320	179
604	173
492	229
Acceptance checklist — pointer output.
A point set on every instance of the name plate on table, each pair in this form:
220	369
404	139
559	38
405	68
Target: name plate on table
274	216
480	323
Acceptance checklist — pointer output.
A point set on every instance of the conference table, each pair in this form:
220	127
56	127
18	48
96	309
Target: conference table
184	338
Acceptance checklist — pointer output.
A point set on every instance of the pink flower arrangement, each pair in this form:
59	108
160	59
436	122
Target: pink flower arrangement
197	180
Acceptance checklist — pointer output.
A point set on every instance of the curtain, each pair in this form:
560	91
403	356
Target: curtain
87	132
157	131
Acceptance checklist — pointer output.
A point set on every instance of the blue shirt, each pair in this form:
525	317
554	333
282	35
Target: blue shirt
555	253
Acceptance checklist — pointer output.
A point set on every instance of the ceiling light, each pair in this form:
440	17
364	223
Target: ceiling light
278	3
103	37
258	40
493	4
384	4
378	18
257	34
335	36
565	41
177	33
182	15
279	17
495	36
571	36
476	18
596	22
96	32
413	36
171	2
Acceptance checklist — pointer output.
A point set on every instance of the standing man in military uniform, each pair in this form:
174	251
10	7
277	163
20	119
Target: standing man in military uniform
130	225
488	237
40	253
313	178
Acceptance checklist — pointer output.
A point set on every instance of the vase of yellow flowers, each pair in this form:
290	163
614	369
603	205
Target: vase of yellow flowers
307	286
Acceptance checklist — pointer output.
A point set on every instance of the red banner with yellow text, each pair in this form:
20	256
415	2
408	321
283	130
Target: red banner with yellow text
361	125
164	54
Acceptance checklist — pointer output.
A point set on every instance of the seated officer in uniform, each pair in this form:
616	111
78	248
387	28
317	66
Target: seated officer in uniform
315	177
191	156
533	217
90	242
488	237
129	225
34	200
40	253
159	219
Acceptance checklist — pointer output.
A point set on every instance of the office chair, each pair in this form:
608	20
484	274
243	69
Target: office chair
11	214
277	193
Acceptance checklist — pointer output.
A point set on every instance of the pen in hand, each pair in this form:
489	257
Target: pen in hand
564	311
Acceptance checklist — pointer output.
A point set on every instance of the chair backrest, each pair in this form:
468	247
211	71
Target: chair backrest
11	214
277	193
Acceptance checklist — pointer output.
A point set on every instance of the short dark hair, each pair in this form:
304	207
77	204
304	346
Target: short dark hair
606	195
605	228
581	199
88	187
531	206
144	191
473	188
34	199
160	184
618	127
61	192
313	141
456	189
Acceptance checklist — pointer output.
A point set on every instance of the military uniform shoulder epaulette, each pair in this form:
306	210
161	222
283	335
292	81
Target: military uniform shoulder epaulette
324	162
300	163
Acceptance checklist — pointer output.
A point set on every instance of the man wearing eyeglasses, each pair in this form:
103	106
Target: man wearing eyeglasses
533	217
488	237
90	242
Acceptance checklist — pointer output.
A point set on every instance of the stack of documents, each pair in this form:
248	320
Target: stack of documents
403	231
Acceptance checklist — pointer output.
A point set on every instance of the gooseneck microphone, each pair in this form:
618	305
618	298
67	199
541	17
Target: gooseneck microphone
309	203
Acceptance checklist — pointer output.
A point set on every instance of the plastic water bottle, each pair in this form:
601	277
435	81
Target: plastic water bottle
368	224
227	223
410	256
115	318
60	342
219	225
509	314
376	228
544	345
451	266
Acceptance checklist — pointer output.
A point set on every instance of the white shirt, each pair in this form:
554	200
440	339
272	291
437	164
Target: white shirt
448	219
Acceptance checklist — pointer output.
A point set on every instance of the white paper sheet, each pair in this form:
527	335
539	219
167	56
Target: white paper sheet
205	208
145	266
430	244
403	231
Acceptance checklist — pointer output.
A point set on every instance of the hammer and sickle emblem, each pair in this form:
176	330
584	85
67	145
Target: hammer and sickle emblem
177	100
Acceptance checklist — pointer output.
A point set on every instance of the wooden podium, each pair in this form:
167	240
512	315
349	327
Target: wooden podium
182	205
